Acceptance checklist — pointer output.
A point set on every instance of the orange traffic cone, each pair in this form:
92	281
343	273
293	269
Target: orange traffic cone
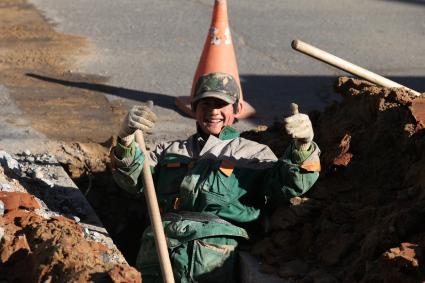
218	56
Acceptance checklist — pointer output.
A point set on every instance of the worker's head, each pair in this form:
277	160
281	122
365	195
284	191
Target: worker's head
216	102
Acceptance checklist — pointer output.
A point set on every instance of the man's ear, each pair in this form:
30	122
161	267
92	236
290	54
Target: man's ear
239	109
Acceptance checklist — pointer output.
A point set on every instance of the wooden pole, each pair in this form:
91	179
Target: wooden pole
154	214
346	66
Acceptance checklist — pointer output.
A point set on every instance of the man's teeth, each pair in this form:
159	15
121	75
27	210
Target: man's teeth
213	120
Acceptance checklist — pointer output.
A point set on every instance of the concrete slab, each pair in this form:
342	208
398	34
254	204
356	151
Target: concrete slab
42	176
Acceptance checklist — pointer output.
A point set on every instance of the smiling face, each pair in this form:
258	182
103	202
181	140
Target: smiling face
213	114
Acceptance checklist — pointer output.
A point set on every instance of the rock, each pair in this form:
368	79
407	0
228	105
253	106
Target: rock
46	158
1	208
15	200
124	273
6	188
95	236
298	200
38	173
406	251
48	183
9	162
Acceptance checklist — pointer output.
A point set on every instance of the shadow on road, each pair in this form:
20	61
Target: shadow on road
414	2
269	95
162	100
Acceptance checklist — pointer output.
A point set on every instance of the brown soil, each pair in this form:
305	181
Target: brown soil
363	220
38	245
35	249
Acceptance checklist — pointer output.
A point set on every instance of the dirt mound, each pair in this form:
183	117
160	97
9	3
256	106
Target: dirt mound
40	232
363	220
53	250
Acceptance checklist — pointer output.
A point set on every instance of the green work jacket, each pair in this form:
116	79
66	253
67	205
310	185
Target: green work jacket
227	176
213	185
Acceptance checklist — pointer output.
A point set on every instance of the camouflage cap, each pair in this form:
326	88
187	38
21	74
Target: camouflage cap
219	85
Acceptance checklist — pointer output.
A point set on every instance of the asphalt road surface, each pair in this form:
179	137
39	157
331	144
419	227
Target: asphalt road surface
151	48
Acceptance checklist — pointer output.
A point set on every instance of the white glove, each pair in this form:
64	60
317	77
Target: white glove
299	127
140	117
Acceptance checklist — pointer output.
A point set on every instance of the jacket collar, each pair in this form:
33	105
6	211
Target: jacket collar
227	133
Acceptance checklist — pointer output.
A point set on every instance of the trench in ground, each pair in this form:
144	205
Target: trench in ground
123	216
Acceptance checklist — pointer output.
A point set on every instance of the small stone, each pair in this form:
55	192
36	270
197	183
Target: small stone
49	183
1	208
43	204
5	188
296	200
2	154
8	161
95	236
46	158
38	173
30	159
27	152
77	219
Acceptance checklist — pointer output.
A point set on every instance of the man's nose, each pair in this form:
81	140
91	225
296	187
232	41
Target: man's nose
215	109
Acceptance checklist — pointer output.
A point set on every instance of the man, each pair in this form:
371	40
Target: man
213	183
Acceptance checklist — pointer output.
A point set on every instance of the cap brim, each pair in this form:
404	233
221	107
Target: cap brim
218	95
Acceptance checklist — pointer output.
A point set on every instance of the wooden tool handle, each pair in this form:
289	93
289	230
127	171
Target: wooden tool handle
346	66
154	214
294	108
